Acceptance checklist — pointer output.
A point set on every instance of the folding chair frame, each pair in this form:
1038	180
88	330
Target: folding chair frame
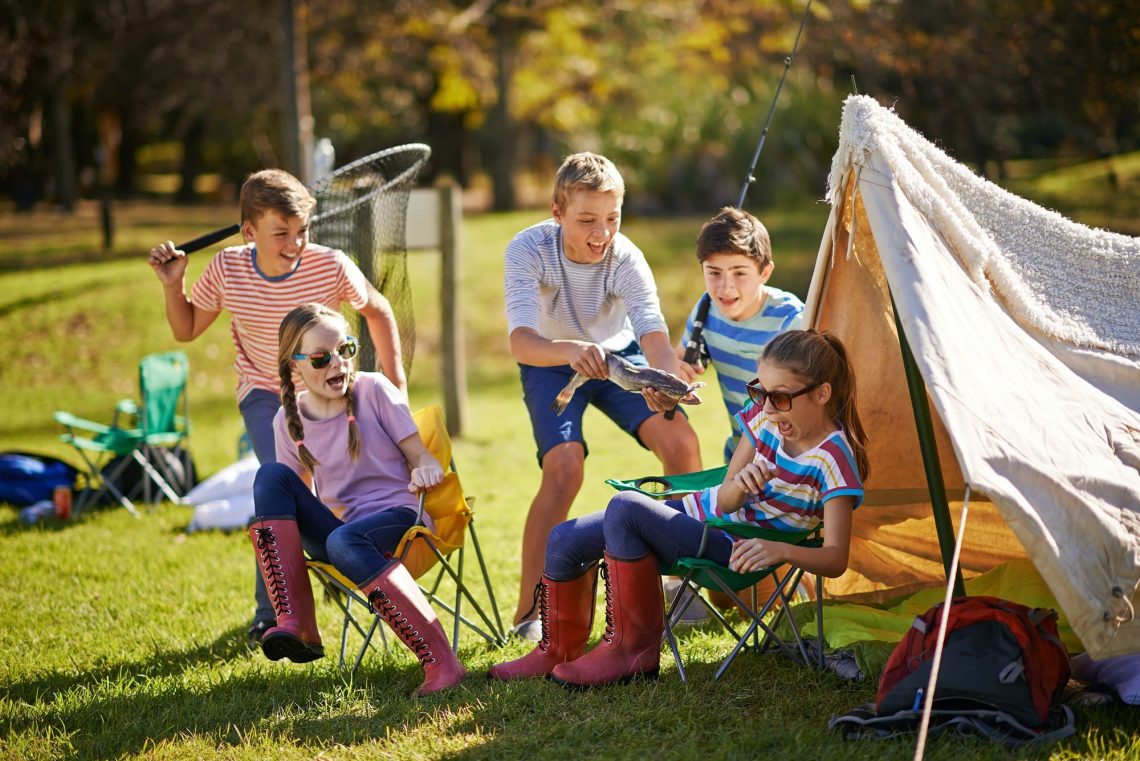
138	441
344	594
693	570
785	589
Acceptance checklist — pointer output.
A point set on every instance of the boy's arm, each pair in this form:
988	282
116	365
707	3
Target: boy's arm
655	345
377	313
186	320
529	348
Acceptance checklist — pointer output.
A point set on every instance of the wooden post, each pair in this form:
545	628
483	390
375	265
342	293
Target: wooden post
454	369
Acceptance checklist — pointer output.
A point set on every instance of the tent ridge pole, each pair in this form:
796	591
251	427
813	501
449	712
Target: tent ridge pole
931	462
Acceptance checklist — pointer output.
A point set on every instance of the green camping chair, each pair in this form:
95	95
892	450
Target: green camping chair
699	573
137	433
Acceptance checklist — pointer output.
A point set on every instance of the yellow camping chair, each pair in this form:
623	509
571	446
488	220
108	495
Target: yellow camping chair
420	550
699	573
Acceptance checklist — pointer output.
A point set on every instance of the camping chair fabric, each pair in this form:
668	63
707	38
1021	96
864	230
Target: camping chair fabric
442	542
701	573
1024	328
159	420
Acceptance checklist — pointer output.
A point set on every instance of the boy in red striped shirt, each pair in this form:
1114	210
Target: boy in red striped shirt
259	283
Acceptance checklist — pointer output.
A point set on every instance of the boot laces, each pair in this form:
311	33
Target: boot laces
274	573
541	601
608	634
384	607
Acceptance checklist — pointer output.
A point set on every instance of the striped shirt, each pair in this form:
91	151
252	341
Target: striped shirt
793	500
257	303
735	348
612	303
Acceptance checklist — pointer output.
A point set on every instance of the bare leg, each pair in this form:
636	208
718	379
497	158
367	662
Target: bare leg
674	442
562	472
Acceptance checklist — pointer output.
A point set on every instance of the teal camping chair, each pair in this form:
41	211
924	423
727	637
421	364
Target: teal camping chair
138	434
699	573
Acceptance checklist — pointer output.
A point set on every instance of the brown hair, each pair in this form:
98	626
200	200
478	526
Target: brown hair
586	171
734	231
293	329
274	190
822	358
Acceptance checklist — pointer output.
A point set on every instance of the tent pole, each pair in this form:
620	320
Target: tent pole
930	460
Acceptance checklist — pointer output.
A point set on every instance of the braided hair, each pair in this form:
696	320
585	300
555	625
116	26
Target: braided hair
822	358
293	328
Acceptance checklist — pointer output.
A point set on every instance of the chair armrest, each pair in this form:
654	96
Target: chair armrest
126	408
661	487
71	421
749	531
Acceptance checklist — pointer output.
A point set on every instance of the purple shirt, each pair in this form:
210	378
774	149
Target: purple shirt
379	479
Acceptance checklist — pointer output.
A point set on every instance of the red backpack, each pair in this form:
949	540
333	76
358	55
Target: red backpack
1003	668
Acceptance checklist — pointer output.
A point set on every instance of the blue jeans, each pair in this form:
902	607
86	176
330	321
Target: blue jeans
258	409
359	549
632	526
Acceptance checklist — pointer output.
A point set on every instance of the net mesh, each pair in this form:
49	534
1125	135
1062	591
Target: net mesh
362	210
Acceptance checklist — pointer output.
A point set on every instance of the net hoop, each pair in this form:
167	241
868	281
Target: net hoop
326	183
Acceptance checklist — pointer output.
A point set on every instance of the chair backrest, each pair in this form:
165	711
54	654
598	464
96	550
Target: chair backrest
449	509
162	385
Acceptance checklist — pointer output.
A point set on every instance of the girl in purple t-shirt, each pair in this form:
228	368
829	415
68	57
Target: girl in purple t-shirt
350	438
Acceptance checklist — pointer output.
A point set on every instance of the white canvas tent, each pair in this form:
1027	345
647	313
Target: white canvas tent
1025	328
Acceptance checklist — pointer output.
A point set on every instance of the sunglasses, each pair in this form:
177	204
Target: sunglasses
781	400
321	359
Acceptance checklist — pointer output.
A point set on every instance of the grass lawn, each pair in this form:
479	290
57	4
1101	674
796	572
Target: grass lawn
123	637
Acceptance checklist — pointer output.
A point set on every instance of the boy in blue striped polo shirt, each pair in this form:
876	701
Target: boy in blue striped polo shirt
744	313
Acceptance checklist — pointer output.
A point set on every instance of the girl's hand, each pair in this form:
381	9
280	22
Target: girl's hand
425	477
752	478
753	554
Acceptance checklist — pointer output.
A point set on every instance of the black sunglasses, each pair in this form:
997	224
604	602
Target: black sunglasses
321	359
781	400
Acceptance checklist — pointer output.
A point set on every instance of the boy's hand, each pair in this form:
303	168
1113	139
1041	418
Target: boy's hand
753	477
168	262
688	372
753	554
589	360
657	401
425	477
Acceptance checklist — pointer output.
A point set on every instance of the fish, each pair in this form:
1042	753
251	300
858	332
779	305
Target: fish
634	378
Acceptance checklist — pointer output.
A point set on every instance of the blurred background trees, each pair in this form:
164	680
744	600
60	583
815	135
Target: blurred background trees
184	97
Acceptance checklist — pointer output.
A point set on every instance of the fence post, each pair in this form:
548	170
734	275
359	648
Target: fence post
454	380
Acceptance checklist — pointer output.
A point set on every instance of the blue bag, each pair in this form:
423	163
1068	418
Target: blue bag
27	478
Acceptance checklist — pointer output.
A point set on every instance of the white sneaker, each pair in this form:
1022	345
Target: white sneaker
531	630
695	614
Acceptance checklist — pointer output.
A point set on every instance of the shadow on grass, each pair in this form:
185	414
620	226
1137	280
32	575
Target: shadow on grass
230	645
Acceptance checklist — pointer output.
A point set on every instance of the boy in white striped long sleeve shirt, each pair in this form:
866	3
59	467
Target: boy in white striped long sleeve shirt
576	288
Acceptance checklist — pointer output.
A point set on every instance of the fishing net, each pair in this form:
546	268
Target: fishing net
362	210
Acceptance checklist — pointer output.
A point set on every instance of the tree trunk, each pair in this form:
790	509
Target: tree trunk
64	164
502	131
191	160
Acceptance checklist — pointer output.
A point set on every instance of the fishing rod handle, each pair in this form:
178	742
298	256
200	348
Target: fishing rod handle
208	239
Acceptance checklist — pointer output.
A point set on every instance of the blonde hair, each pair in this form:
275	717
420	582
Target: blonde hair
822	358
293	329
274	190
586	171
734	231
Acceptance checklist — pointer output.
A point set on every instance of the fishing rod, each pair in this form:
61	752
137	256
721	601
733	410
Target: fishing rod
695	348
748	177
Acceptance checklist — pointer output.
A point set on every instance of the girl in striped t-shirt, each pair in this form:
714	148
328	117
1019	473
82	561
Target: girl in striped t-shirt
801	463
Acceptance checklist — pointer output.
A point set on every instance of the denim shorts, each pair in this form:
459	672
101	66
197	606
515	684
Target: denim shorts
541	384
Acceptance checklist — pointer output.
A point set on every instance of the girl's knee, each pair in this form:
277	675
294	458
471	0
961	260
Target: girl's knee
624	507
271	474
339	544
